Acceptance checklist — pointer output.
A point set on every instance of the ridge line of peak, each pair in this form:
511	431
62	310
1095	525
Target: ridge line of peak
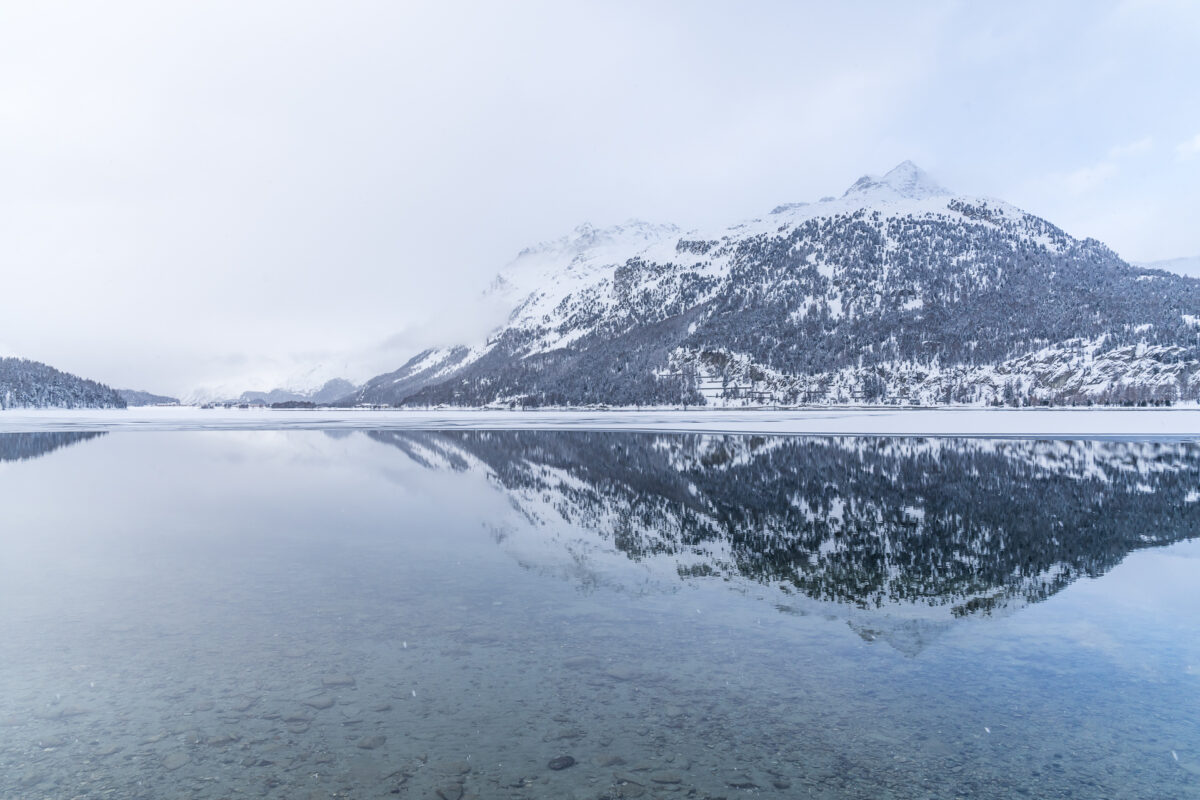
906	180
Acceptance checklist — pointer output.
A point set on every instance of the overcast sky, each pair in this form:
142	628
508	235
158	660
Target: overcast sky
208	193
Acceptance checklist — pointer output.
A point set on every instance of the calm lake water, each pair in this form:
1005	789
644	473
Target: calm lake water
596	615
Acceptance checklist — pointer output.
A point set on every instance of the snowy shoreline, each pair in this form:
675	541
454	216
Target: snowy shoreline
1082	423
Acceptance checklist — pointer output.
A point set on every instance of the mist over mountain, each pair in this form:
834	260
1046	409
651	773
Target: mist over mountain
328	392
134	397
1187	266
32	384
899	291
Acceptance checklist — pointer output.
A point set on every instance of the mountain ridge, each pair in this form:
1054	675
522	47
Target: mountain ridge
1188	266
136	397
899	291
906	180
328	392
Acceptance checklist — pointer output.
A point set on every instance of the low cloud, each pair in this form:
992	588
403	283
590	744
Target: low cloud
1087	179
1090	178
1189	148
1141	146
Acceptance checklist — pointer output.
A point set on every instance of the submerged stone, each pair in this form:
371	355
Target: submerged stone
244	704
320	703
452	767
666	777
372	742
173	761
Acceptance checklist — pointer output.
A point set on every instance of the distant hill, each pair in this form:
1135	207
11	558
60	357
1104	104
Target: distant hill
31	384
329	392
1188	267
133	397
898	292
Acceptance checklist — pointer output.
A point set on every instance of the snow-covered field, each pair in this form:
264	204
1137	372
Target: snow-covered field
1036	422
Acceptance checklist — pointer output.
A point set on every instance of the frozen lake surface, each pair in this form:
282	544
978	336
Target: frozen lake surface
1060	422
588	614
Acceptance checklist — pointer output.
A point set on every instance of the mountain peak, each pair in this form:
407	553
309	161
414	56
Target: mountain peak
905	180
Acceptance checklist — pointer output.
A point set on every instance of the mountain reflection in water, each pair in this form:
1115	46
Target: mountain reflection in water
969	525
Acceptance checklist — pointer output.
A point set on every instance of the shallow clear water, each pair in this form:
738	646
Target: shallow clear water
302	614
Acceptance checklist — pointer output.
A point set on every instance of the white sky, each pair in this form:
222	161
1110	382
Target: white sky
203	193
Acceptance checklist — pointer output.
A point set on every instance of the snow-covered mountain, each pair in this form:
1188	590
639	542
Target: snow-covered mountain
32	384
906	181
136	397
899	291
328	392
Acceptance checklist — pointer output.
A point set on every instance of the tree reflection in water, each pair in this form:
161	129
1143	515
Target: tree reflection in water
28	446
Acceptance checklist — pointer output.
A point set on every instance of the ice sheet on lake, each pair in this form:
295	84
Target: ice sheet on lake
1032	422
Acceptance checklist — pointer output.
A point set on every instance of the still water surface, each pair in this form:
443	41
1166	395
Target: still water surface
425	615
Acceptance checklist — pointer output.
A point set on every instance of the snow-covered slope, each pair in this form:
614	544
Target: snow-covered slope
898	291
557	268
31	384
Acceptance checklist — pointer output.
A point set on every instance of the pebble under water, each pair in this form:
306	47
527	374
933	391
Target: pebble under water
473	614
